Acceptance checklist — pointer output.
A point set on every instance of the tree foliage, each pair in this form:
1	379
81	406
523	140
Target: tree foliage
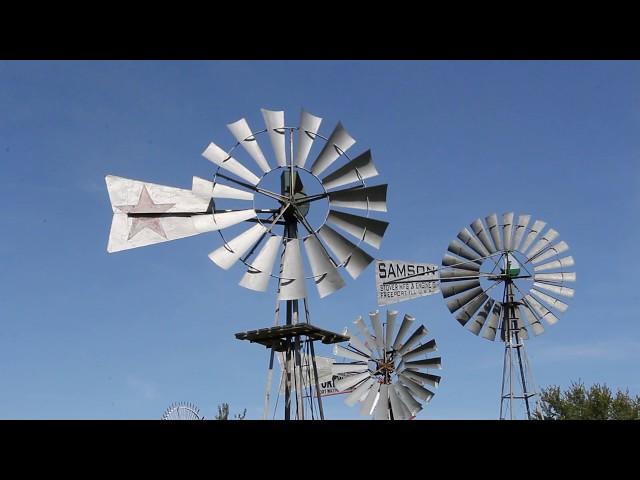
223	413
594	403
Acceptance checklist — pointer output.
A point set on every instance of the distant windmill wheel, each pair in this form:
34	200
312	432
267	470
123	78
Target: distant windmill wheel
386	375
182	411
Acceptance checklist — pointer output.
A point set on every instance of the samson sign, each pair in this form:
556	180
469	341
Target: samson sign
397	281
329	387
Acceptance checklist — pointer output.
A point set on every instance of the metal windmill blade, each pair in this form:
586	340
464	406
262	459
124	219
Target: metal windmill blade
388	375
182	411
506	277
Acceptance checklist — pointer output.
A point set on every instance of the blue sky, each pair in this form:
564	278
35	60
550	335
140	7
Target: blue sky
86	334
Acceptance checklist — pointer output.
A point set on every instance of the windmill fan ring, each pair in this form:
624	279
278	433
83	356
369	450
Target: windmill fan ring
515	262
385	372
145	213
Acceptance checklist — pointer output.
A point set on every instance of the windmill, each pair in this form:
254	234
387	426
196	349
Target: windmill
385	372
497	274
283	204
182	411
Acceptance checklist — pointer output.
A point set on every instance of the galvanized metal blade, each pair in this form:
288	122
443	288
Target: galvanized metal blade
274	121
339	142
365	198
258	275
367	229
218	156
243	134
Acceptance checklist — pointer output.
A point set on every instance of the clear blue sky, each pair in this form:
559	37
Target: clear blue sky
86	334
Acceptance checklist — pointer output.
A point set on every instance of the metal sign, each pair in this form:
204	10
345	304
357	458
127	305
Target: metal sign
328	387
397	281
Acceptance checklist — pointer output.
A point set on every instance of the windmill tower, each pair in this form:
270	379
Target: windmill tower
282	203
385	372
495	276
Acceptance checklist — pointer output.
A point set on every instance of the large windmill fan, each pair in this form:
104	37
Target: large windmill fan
147	213
182	411
514	262
386	373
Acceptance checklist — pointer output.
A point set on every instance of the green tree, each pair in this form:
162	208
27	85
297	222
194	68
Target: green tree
594	403
223	413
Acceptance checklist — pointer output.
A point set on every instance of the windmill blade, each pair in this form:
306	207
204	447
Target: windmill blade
477	227
353	257
550	252
435	362
292	284
541	311
451	261
412	406
400	412
479	320
356	343
472	242
549	300
494	230
545	241
469	310
520	228
368	339
218	156
208	189
350	381
381	410
562	291
133	196
258	275
391	322
361	198
339	368
369	402
538	225
274	121
534	323
454	288
220	221
366	229
421	378
555	277
407	321
561	263
415	337
492	325
359	393
339	142
360	168
507	229
340	351
460	250
374	317
309	126
423	349
243	134
455	274
417	389
326	275
228	254
463	299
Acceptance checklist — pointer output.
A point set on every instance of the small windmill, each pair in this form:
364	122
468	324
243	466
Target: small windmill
283	220
182	411
497	274
385	373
